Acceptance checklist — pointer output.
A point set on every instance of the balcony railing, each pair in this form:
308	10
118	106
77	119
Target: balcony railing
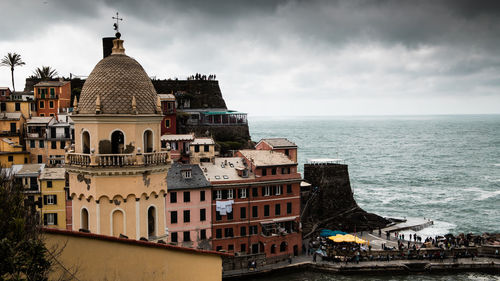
114	160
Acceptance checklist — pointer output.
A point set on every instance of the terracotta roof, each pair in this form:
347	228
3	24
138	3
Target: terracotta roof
224	169
266	157
279	143
51	83
116	79
131	241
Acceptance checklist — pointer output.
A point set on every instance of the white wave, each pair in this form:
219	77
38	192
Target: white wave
438	228
487	194
496	165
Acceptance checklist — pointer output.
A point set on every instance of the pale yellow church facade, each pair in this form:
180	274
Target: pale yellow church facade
117	170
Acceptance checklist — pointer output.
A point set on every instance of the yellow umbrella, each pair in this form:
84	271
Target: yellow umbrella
337	238
349	238
361	241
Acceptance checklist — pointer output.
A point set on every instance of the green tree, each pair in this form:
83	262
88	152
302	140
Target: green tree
12	60
23	255
44	73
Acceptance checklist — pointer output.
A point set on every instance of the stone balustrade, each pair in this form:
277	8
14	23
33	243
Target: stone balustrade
117	160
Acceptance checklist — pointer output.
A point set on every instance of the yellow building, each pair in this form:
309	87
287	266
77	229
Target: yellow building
202	150
97	257
25	107
117	171
53	193
11	148
47	139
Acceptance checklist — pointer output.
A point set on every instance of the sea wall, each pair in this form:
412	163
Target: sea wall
330	202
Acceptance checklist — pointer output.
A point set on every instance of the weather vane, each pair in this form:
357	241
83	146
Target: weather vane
116	25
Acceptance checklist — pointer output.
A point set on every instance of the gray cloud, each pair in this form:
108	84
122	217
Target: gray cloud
277	50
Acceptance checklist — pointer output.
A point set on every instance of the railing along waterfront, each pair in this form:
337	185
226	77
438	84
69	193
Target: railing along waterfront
110	160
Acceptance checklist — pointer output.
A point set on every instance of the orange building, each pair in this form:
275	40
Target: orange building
52	97
4	93
168	124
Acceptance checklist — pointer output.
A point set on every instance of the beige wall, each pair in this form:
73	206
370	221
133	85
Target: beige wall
133	132
98	259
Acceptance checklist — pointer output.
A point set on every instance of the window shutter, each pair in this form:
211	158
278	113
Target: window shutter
44	219
55	199
263	191
55	219
45	200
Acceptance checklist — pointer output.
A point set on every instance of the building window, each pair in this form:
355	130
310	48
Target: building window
187	216
273	171
187	237
187	196
288	188
230	248
62	144
255	211
289	207
49	184
252	230
243	212
266	210
228	232
203	234
196	148
243	248
264	172
52	93
53	144
202	195
173	217
255	192
218	248
203	214
206	148
278	190
242	193
218	233
218	195
18	106
173	237
40	159
266	190
42	104
218	217
230	194
167	123
243	231
287	152
51	104
285	170
173	197
41	144
186	174
230	216
32	144
277	209
11	158
50	219
50	200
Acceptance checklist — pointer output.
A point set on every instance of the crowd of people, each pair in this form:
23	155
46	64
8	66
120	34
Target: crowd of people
199	76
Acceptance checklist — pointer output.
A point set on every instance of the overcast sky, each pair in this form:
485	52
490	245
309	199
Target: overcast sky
281	57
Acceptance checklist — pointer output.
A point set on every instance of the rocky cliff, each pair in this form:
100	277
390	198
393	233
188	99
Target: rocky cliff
330	202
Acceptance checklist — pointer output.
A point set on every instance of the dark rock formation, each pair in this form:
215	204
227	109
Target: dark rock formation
330	202
202	93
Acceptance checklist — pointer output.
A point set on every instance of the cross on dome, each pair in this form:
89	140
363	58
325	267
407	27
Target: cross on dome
116	25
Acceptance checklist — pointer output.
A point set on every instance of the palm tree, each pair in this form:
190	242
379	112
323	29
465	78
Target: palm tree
45	72
12	60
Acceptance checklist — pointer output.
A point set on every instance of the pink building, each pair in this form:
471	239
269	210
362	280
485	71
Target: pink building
188	212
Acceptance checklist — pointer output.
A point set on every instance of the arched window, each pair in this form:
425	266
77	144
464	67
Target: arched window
151	221
85	219
118	220
86	142
273	249
148	141
117	142
283	246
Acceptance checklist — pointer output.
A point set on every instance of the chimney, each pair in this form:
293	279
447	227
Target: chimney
107	45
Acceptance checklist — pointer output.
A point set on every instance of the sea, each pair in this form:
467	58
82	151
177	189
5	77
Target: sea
442	167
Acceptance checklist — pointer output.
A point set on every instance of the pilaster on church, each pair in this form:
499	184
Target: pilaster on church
117	169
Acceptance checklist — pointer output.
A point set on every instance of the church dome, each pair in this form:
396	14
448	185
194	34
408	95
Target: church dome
112	86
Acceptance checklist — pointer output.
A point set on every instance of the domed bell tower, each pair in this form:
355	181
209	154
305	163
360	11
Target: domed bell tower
117	171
